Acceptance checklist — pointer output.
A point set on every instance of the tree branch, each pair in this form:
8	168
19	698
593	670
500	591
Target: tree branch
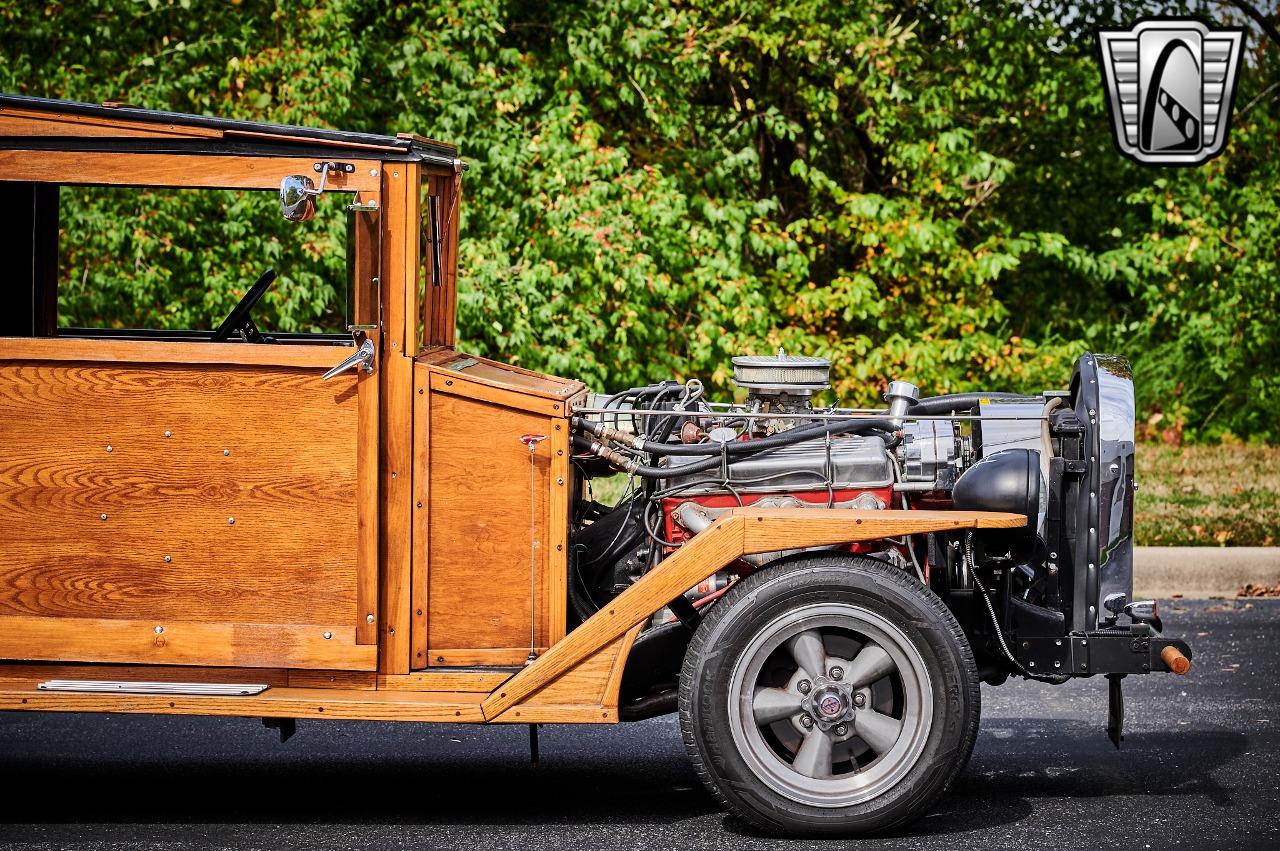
1259	19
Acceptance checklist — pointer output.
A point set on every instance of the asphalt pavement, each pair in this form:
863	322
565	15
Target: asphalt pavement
1199	769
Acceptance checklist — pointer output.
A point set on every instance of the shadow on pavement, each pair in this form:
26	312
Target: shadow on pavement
478	786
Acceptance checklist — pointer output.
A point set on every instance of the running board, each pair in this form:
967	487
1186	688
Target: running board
130	687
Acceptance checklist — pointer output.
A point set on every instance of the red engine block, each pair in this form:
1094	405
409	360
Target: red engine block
677	534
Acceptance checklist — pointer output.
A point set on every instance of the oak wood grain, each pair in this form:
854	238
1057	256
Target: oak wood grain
134	169
739	531
769	529
183	643
479	529
396	440
444	680
701	556
39	671
16	122
419	605
319	356
362	680
179	492
454	707
368	508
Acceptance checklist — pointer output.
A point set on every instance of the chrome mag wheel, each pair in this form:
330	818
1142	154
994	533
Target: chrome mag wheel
830	704
829	695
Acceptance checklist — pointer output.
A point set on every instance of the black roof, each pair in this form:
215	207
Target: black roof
267	139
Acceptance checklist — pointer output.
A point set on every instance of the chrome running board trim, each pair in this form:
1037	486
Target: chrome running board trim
128	687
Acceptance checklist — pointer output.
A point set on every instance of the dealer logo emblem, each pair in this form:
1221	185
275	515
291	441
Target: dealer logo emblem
1169	89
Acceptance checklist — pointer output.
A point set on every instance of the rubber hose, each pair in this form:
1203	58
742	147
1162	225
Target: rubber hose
750	447
931	405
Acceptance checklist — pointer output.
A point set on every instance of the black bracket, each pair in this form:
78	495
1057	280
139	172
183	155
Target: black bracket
338	168
1115	709
286	726
1119	651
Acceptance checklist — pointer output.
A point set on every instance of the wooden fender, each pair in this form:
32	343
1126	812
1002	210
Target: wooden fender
738	532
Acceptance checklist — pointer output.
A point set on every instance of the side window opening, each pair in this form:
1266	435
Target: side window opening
167	262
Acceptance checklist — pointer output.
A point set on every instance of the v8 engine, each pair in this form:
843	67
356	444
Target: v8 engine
1061	458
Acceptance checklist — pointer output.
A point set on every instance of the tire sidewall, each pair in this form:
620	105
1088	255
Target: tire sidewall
867	584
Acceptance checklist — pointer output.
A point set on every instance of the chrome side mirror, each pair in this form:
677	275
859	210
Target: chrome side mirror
298	193
298	197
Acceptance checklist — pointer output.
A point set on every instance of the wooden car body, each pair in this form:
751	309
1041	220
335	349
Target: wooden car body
382	545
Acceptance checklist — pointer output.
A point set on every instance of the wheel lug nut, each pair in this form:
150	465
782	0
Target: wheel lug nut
841	730
805	686
859	700
806	721
837	673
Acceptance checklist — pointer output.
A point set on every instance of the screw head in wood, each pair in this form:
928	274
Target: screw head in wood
108	447
231	521
168	434
168	559
159	630
102	517
369	618
226	452
327	635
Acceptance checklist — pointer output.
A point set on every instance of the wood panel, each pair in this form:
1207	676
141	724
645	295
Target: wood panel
452	382
396	445
701	556
166	642
21	122
317	357
363	680
444	680
439	305
421	508
558	532
587	693
226	496
213	172
276	677
726	539
38	672
481	511
368	412
458	708
472	368
769	529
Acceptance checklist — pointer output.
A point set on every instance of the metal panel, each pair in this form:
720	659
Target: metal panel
1115	436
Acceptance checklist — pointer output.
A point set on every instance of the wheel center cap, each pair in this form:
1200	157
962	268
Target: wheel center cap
829	702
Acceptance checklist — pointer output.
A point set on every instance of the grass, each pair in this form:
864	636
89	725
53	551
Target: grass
1208	496
1187	495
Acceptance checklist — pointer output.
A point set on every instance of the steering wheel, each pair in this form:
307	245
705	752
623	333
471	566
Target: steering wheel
238	319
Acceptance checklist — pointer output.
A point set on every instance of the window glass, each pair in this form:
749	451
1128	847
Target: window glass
180	259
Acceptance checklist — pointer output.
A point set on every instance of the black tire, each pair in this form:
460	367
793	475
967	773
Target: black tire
820	589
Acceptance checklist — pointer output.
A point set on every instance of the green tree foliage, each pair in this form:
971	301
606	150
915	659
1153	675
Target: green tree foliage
924	190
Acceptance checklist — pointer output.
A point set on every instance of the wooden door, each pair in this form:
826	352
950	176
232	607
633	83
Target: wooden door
492	553
188	504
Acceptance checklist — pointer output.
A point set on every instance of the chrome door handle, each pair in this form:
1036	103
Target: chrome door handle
363	357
